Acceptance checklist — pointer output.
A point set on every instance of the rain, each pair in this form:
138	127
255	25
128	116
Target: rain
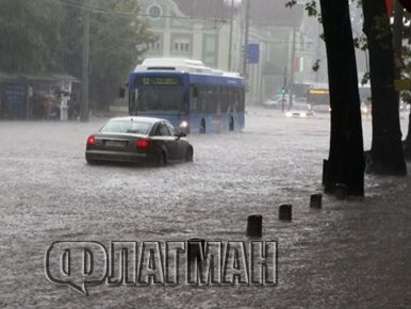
246	85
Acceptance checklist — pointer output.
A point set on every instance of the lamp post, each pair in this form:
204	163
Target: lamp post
230	47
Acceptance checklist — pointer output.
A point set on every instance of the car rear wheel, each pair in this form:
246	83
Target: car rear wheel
189	155
162	159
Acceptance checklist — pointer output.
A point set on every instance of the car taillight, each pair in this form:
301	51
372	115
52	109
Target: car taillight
143	144
91	140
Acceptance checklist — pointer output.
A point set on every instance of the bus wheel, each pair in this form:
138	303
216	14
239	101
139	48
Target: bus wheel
231	126
203	128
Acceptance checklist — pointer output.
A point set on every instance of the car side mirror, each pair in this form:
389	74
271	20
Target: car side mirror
180	135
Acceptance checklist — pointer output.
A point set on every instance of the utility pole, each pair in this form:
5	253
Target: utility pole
283	89
246	37
84	108
230	47
292	69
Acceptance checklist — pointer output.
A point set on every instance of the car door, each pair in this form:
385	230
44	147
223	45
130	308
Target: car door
163	136
179	144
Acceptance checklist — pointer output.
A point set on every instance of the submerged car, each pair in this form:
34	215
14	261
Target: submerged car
278	102
321	108
138	140
300	110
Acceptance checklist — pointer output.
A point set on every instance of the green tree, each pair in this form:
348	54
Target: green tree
386	155
30	36
45	36
118	39
345	166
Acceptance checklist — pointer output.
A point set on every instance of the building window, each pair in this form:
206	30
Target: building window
154	11
155	46
182	46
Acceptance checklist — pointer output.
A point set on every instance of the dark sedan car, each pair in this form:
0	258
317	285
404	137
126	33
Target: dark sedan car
138	140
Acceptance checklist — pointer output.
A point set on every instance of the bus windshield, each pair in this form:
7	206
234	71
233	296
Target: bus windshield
159	94
160	98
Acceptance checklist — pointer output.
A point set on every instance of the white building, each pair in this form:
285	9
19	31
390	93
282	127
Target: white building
195	29
201	29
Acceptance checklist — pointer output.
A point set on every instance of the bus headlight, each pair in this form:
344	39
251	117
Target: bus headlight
183	125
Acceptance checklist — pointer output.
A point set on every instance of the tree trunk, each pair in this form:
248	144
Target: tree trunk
386	156
407	142
345	166
398	37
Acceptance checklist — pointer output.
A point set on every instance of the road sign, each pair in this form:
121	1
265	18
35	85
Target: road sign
253	53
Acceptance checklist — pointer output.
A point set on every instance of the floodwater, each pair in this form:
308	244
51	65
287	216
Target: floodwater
350	254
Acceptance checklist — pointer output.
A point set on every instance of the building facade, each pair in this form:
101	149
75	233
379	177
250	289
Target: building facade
194	29
203	30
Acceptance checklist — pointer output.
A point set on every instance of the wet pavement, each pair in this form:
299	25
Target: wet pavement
350	254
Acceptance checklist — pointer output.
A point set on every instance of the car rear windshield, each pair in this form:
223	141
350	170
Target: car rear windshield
301	106
127	126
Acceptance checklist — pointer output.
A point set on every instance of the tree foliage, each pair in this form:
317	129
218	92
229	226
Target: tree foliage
45	36
30	35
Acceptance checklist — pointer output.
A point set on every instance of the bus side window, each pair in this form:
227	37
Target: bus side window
194	92
205	99
227	99
236	99
201	96
223	99
217	100
242	100
195	98
212	103
230	99
239	99
131	106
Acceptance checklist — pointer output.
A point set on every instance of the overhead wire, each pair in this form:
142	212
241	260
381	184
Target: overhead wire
94	9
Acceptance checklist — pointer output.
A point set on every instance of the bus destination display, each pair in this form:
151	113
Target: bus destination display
160	81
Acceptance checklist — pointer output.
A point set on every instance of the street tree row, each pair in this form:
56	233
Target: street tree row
45	36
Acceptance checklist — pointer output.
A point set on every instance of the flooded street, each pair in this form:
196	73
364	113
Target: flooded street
350	254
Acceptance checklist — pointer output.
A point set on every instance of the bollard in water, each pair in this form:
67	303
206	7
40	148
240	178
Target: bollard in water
341	191
255	226
316	201
285	213
195	249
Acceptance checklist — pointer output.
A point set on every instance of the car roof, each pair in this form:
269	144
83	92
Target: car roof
151	120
